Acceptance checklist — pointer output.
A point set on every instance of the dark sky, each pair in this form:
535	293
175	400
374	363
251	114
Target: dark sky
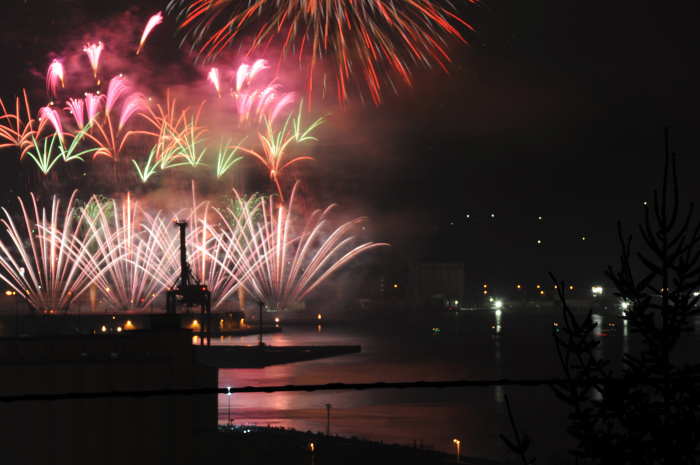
556	110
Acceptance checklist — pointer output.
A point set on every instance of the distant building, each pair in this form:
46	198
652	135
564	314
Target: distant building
107	430
437	285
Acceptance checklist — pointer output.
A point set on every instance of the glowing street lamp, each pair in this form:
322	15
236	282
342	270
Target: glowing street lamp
456	441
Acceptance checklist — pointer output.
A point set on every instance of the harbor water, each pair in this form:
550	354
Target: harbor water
407	347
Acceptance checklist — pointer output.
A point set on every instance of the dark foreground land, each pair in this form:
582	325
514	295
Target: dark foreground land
278	446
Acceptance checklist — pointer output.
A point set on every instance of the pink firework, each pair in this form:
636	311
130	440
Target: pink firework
155	20
93	52
278	104
92	104
244	104
77	109
46	113
253	105
132	104
215	78
246	73
114	91
53	77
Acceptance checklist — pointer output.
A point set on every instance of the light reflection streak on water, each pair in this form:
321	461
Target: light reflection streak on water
498	391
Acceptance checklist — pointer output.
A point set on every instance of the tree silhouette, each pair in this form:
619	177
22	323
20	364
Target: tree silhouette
651	414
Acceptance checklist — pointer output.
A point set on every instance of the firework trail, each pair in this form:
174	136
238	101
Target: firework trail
373	37
179	139
53	77
275	144
276	103
155	20
225	157
93	52
178	135
189	143
45	153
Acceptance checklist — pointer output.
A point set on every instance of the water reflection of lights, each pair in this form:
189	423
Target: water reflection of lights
496	329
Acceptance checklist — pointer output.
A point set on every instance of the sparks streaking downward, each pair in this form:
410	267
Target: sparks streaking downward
374	37
155	20
93	52
272	249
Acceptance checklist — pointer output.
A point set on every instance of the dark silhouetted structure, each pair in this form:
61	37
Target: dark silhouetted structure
191	293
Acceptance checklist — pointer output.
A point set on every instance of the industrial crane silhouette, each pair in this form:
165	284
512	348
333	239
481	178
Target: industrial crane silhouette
190	291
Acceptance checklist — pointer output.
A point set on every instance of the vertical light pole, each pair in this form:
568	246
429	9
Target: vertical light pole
456	441
328	425
260	342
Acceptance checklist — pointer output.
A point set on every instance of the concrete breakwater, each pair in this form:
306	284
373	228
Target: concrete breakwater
260	356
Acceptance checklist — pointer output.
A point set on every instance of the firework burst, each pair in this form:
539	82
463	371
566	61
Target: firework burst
215	78
275	144
271	249
373	37
47	263
13	130
77	109
53	77
132	254
286	254
93	52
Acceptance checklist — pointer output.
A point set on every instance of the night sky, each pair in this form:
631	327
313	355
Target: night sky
555	110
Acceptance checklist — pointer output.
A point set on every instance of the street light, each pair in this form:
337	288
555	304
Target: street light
456	441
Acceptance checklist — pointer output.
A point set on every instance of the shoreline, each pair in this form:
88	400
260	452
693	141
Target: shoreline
260	444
